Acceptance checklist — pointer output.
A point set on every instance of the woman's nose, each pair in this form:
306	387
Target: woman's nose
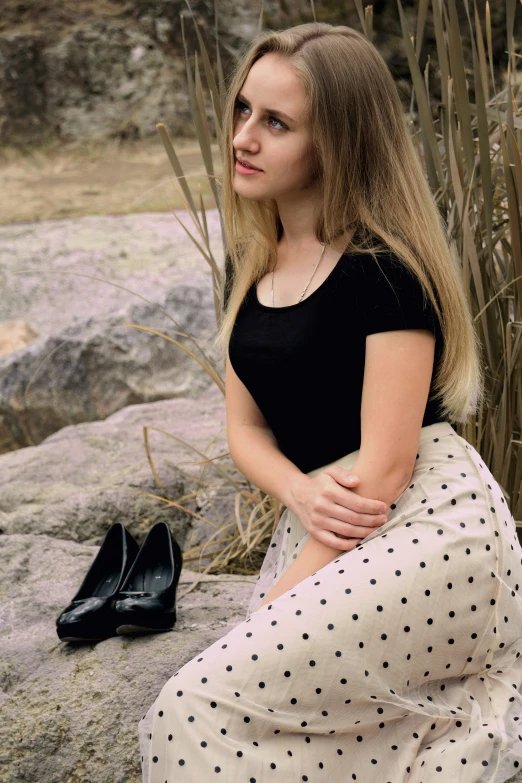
245	138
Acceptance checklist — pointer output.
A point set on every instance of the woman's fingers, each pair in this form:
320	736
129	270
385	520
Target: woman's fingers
350	530
339	542
359	504
348	516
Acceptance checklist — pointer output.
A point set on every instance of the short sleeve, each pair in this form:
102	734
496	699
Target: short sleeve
393	298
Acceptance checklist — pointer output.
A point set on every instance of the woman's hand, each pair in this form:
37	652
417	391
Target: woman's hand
334	515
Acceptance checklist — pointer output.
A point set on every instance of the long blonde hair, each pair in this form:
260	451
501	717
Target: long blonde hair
357	120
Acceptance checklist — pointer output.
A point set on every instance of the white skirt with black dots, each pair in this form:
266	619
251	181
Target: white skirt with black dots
398	661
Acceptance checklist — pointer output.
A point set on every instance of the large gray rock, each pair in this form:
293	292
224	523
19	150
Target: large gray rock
57	273
90	370
63	704
72	282
110	78
83	478
69	712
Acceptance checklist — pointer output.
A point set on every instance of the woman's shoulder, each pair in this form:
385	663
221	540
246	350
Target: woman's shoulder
371	266
378	263
384	282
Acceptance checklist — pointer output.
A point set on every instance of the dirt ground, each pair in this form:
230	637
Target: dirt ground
109	178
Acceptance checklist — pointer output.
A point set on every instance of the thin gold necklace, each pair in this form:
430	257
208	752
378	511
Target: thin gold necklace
306	288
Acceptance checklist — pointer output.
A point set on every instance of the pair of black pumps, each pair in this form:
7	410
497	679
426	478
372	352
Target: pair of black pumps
128	589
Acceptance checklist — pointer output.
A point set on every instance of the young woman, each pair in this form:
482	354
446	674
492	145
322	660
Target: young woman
383	637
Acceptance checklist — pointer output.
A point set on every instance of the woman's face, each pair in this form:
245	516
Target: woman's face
271	132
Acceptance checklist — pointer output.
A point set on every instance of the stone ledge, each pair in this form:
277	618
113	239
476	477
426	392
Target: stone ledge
61	702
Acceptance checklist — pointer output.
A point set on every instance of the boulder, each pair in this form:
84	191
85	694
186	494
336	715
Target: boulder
57	273
81	71
74	282
80	480
90	370
108	77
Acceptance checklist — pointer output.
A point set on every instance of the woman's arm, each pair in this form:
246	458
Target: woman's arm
315	554
397	373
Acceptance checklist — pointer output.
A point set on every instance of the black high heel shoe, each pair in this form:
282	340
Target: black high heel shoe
89	616
147	600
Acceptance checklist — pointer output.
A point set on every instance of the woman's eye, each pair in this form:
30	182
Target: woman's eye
278	121
240	105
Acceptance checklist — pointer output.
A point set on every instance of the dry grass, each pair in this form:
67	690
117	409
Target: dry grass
97	178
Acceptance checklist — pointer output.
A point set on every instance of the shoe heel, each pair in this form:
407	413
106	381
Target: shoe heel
146	601
123	630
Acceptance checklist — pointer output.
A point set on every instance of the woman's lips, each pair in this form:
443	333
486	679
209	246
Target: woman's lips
244	170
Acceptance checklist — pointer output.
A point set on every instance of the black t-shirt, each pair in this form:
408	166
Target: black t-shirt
304	363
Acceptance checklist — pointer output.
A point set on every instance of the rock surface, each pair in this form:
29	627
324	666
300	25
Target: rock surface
57	273
61	703
70	711
90	370
74	282
80	480
15	335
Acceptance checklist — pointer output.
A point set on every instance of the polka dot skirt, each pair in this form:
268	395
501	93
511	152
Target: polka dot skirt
397	661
